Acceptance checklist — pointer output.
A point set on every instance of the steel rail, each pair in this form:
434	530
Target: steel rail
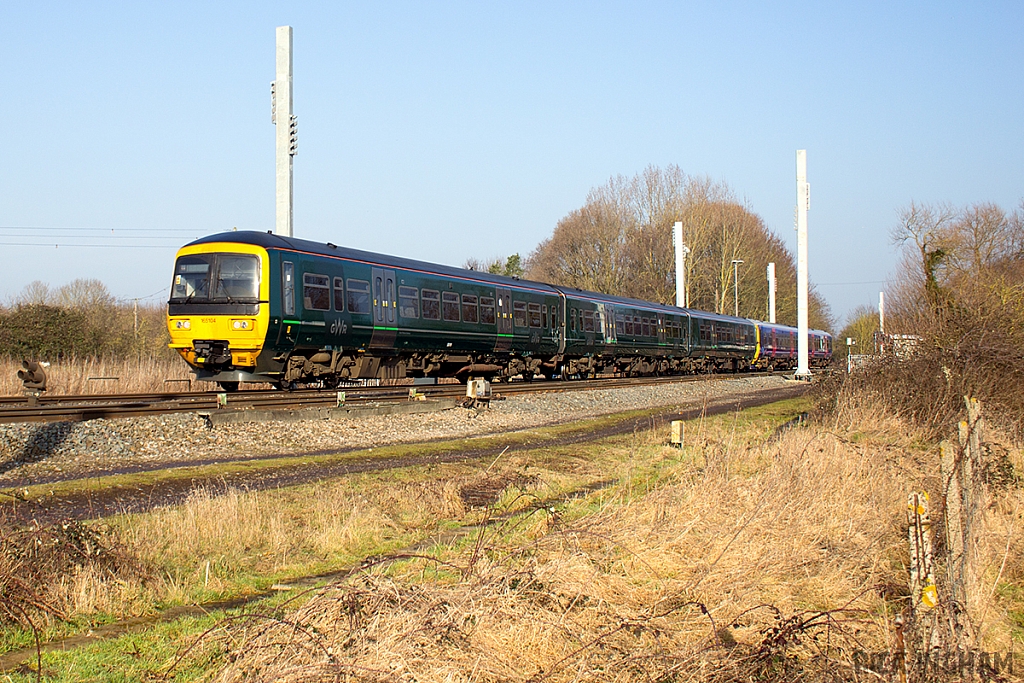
15	409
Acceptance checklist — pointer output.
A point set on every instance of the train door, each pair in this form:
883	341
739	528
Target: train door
385	306
685	337
661	329
606	321
504	319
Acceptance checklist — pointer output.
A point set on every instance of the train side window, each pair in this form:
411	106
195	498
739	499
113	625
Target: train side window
572	320
431	304
588	321
316	292
288	287
339	294
408	302
519	313
470	313
450	307
534	315
358	296
645	326
620	325
544	315
628	324
487	310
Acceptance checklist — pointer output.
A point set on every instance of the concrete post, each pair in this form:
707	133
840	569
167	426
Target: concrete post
771	293
681	251
286	137
803	201
881	312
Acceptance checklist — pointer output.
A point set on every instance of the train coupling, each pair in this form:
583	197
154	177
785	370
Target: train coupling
212	352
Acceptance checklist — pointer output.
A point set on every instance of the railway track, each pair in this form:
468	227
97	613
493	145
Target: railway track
111	406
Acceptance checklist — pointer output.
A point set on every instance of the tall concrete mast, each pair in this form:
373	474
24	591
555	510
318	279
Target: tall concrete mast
881	312
771	292
287	130
803	202
681	251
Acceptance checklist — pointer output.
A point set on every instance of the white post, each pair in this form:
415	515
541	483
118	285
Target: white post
803	200
881	312
681	252
285	121
771	293
881	323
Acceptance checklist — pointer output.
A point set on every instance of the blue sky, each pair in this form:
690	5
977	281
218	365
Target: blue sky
444	131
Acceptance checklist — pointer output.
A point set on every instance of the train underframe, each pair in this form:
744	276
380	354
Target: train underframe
316	367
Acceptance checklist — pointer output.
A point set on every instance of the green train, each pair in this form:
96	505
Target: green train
259	307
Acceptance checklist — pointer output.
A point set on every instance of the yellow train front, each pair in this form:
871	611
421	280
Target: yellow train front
218	312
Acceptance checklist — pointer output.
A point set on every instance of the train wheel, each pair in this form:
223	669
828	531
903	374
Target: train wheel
229	387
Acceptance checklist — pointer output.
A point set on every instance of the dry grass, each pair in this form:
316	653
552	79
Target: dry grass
751	555
134	376
750	559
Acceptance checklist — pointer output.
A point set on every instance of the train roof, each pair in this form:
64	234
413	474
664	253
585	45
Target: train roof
269	240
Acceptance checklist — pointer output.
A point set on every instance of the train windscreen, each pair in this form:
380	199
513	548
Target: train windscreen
216	278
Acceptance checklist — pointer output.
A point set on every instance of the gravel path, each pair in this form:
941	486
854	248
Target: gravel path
37	453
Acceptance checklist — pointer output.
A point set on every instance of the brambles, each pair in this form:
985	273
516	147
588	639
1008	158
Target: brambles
959	302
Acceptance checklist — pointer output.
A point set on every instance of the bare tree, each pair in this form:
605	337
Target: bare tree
36	292
619	242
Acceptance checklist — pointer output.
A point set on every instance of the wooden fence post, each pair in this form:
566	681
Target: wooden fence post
964	494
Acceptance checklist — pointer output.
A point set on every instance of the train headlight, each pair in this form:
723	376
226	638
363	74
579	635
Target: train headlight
183	324
242	324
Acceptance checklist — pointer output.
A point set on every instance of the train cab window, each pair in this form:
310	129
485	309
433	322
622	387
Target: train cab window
316	292
192	278
450	307
470	313
339	294
358	296
544	315
534	315
487	310
408	302
238	278
519	313
588	321
288	287
431	304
